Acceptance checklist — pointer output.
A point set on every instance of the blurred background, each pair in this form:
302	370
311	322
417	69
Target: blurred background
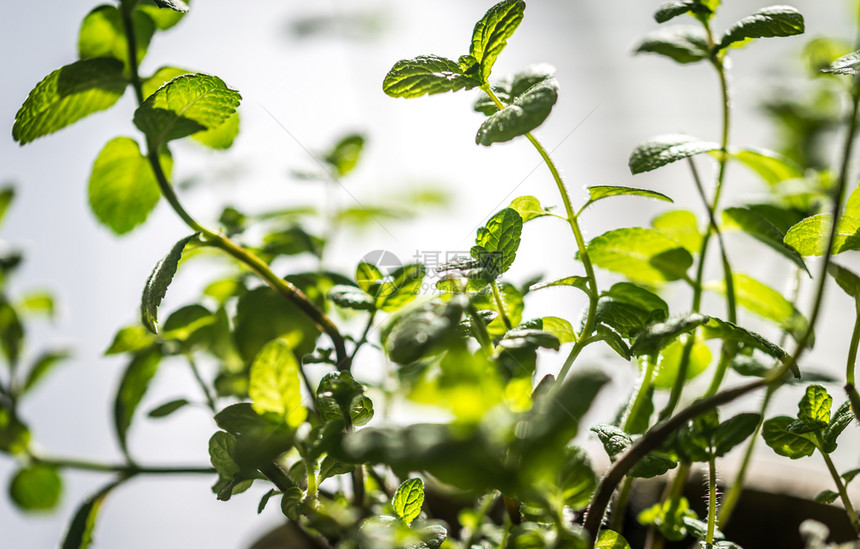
309	73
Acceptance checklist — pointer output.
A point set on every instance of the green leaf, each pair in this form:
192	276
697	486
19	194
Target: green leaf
810	236
408	499
67	95
681	43
765	23
413	333
80	532
665	149
186	325
528	207
491	33
36	488
682	227
658	335
670	10
605	191
642	255
220	137
607	539
345	154
772	167
401	287
168	408
559	327
157	283
339	396
762	230
614	340
525	113
847	64
132	387
161	77
42	366
727	331
184	106
6	196
263	315
580	282
265	500
102	34
11	332
733	431
350	297
274	385
826	496
496	243
766	302
37	302
130	339
14	435
366	274
784	442
627	309
849	475
669	517
163	18
512	300
425	75
841	419
814	407
123	189
670	362
615	441
175	5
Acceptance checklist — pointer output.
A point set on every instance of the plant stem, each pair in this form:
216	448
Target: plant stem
500	305
125	470
479	329
712	499
616	522
852	349
840	486
363	339
210	399
641	393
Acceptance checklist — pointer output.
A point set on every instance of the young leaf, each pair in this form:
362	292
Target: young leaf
765	23
847	64
682	227
157	283
762	230
510	87
814	407
274	384
580	282
102	34
607	539
67	95
408	499
175	5
670	10
772	167
123	190
184	106
670	362
80	532
168	408
605	191
784	442
665	149
559	327
809	237
525	113
642	255
841	419
681	43
339	395
133	386
497	242
826	496
425	75
36	488
528	207
766	302
161	77
491	33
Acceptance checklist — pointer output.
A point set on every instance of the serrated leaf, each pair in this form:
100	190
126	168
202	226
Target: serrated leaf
220	137
366	274
642	255
36	487
727	331
733	431
132	388
764	301
580	282
491	33
665	149
810	236
841	419
67	95
123	189
496	243
559	327
847	64
186	105
784	442
425	75
274	384
408	499
161	77
656	336
102	34
157	283
528	207
607	539
600	192
681	43
762	230
401	287
42	366
670	10
350	297
814	407
525	113
772	167
80	532
766	23
682	227
826	496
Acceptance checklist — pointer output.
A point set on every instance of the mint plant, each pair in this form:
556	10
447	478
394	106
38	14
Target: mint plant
256	340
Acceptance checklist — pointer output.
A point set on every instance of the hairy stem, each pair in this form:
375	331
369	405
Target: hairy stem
500	305
712	499
840	486
641	393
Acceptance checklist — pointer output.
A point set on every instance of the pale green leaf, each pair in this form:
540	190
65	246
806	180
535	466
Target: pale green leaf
607	539
642	255
528	207
665	149
681	43
366	274
784	442
761	299
772	167
184	106
130	339
345	154
525	113
491	33
765	23
810	236
6	196
123	189
559	327
748	221
67	95
669	362
274	384
401	287
162	17
36	487
605	191
158	282
220	137
682	227
102	34
408	499
425	75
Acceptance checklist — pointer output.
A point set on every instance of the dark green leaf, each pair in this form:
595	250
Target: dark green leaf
615	342
810	236
670	10
733	431
426	74
826	496
344	156
528	207
168	408
42	366
157	283
123	189
265	499
784	442
350	297
665	149
36	488
847	280
331	467
762	230
658	335
766	302
814	407
496	243
6	196
847	64
184	106
605	191
529	338
491	33
849	475
274	384
80	533
133	386
102	34
682	227
67	95
607	539
680	43
525	113
716	328
642	255
408	499
765	23
841	419
11	332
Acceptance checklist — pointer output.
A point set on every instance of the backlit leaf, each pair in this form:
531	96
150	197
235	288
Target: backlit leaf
809	237
682	227
814	407
130	339
605	191
528	207
642	255
345	154
761	299
408	499
665	149
670	361
157	283
401	287
102	34
275	385
524	113
425	75
580	282
161	77
164	18
784	442
496	243
765	23
607	539
762	230
772	167
841	419
491	33
220	137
